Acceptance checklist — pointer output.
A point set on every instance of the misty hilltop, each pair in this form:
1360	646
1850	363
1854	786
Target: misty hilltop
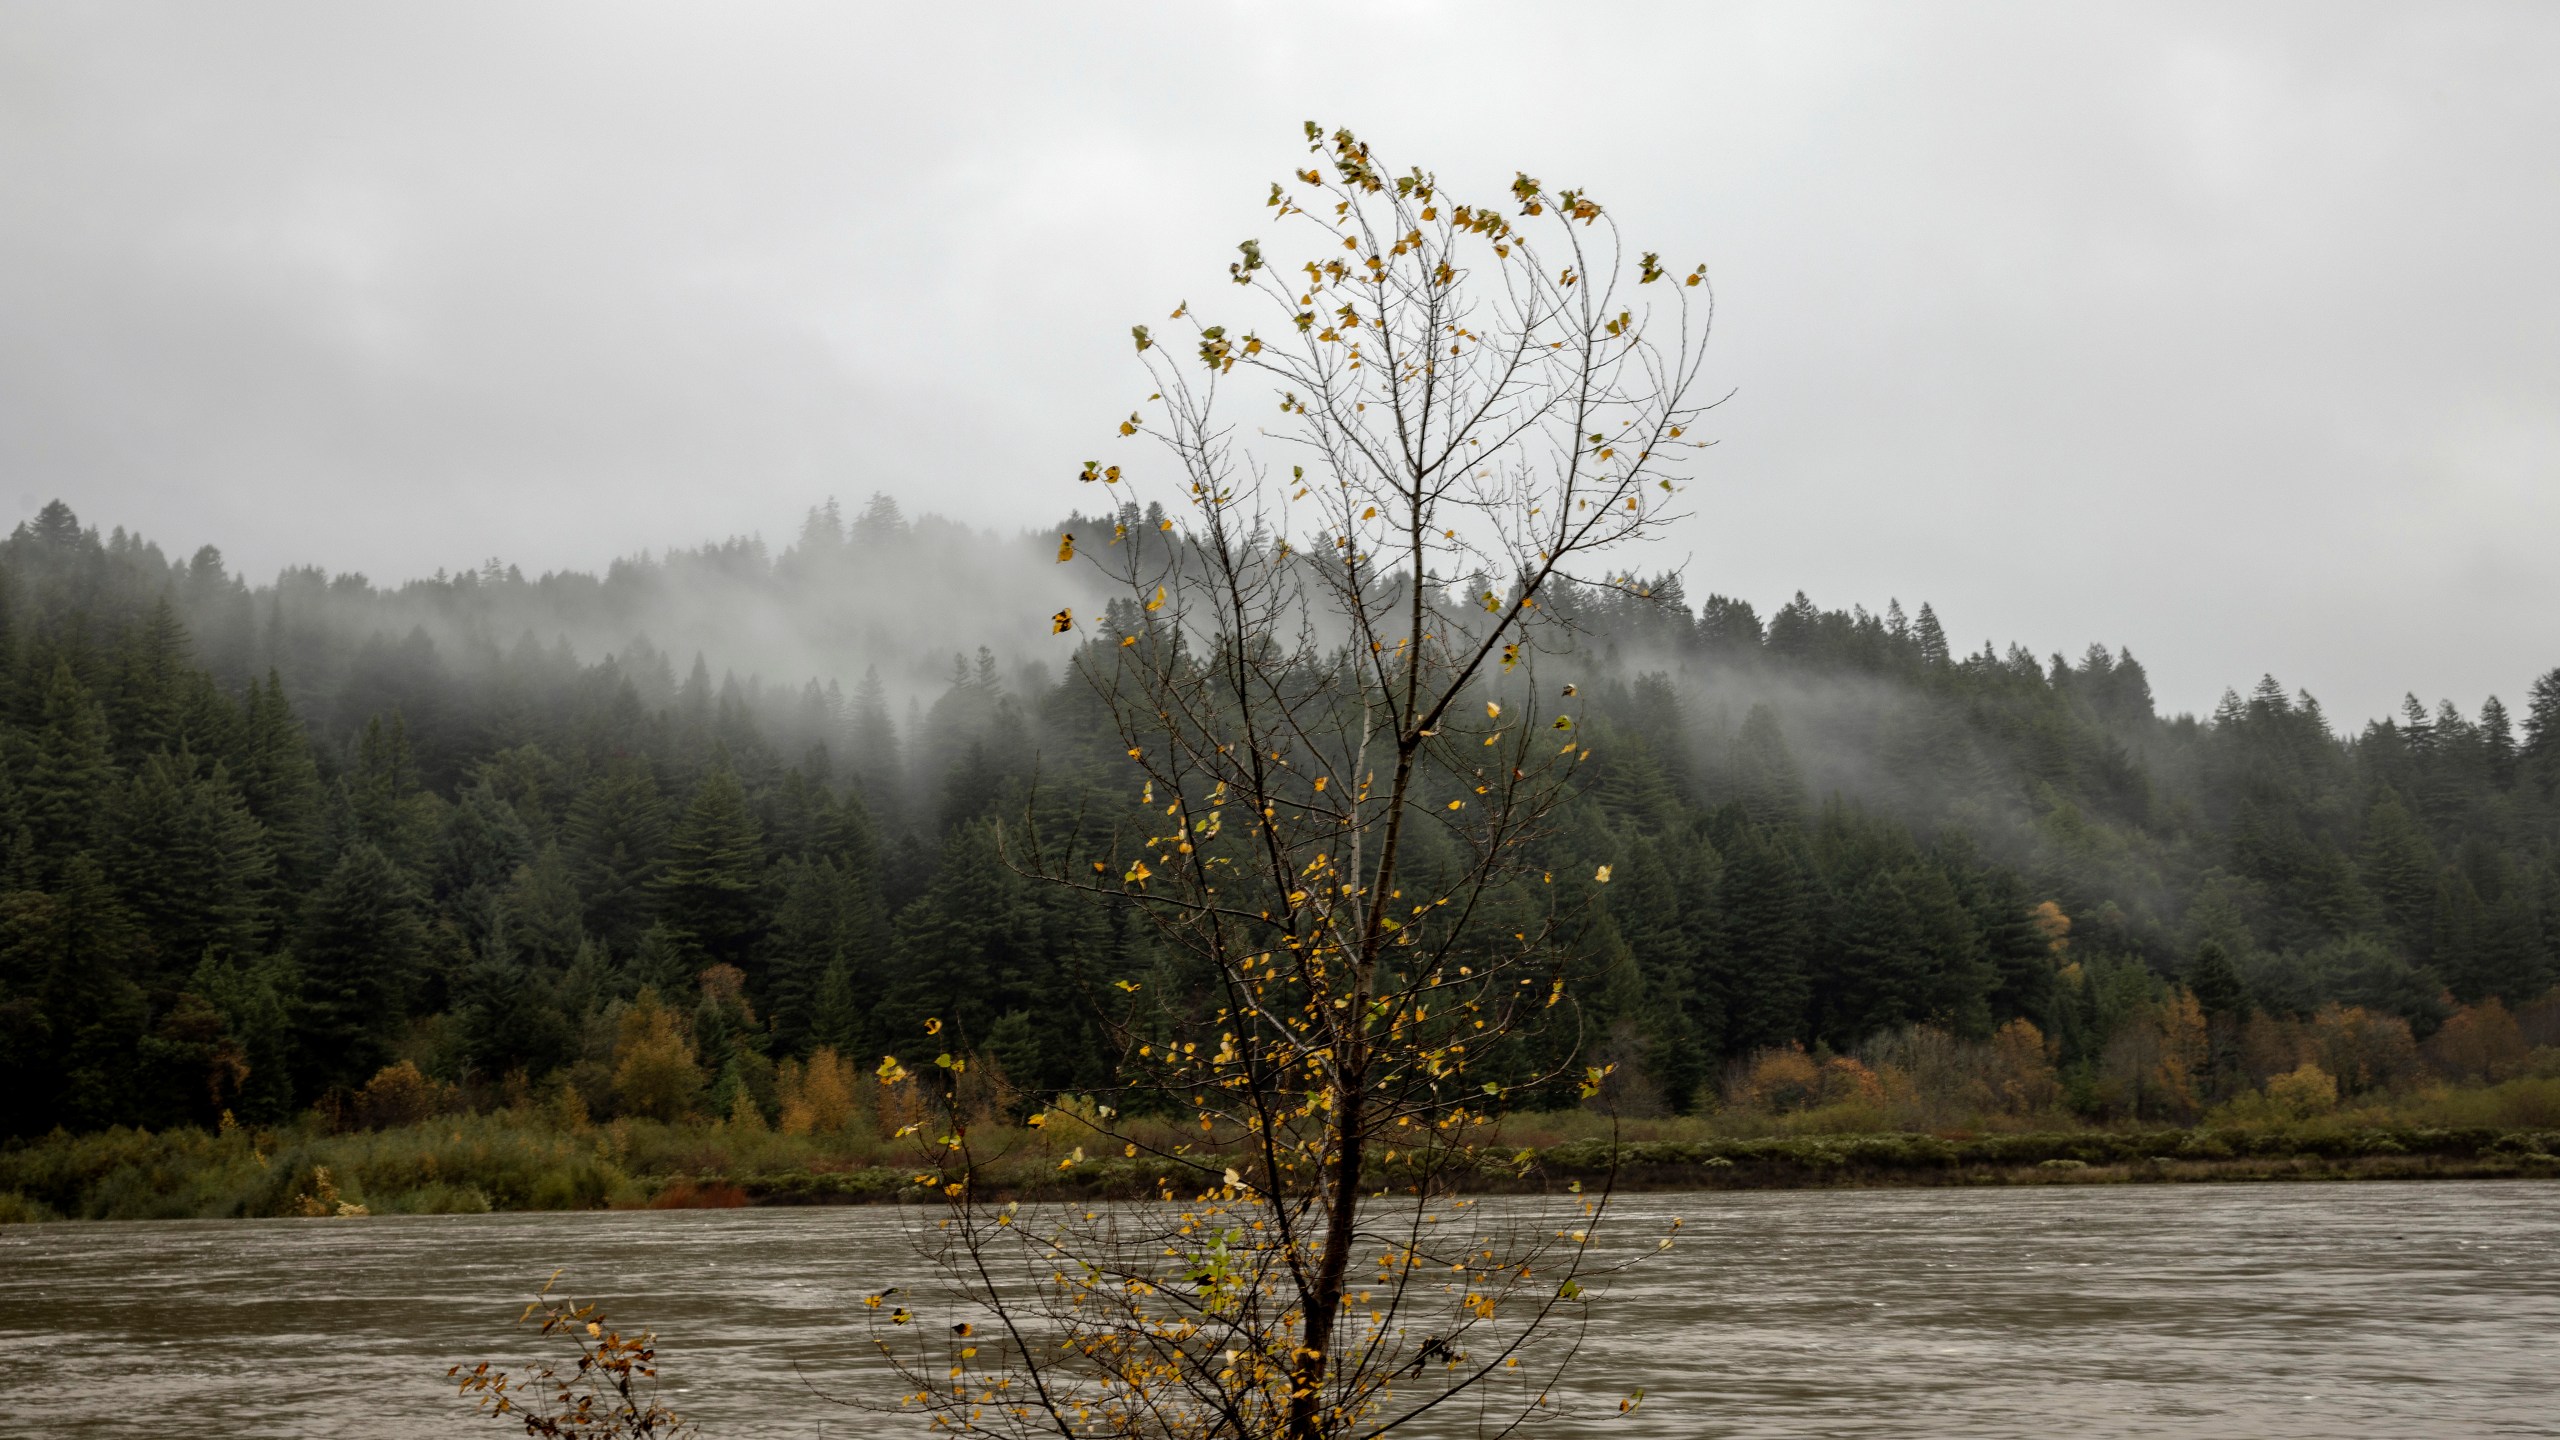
272	837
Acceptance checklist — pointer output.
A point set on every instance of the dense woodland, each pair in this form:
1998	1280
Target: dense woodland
258	844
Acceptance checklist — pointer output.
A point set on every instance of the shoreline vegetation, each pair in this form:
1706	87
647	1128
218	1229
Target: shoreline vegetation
546	1156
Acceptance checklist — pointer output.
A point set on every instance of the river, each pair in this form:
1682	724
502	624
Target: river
2304	1310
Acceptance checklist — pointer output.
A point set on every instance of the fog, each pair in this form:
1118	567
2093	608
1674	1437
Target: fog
2219	333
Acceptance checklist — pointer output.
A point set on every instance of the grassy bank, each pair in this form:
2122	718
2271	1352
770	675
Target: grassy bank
534	1159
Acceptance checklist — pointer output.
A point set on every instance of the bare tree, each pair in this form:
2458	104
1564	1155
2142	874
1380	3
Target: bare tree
1343	769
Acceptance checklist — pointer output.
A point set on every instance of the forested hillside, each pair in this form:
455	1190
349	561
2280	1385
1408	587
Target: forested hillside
261	843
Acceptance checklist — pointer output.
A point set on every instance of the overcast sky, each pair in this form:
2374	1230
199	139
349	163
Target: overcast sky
2228	333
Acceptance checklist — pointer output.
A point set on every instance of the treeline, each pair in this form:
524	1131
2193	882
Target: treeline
259	849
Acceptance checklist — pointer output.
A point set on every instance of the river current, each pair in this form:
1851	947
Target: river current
2385	1309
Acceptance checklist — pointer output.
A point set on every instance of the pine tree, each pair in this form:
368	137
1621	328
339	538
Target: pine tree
277	777
1959	978
478	849
508	1019
1762	949
96	1013
2498	742
69	773
1668	951
147	689
808	942
2456	951
1932	639
711	889
2215	984
543	913
1867	973
1765	777
384	804
665	960
2539	756
965	951
251	998
359	952
835	1018
2399	868
616	840
191	861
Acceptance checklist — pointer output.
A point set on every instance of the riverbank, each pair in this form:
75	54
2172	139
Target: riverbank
506	1161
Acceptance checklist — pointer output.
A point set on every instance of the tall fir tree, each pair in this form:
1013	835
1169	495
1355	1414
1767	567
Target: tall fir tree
711	889
359	953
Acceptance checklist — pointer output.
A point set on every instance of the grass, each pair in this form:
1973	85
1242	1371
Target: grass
526	1159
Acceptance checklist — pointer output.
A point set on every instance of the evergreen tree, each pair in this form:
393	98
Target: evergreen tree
68	771
2215	984
146	696
251	999
359	953
1761	952
2539	756
480	847
1931	639
92	951
835	1019
1871	976
508	1017
1765	778
876	762
1667	944
383	804
543	912
2399	868
809	941
616	840
711	889
191	861
277	778
2498	742
965	949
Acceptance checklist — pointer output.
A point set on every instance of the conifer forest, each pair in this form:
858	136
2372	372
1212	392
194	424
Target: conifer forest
260	843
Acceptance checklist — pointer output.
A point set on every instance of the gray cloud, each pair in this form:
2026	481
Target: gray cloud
2226	333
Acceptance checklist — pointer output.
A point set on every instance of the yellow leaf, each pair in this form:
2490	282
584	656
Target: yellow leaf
1066	548
1062	622
932	1026
1602	877
1369	514
1492	710
1320	780
1158	602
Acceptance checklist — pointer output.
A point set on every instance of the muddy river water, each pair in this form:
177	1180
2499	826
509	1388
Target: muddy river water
2304	1310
